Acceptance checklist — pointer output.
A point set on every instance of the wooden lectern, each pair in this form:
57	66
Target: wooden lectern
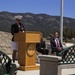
27	49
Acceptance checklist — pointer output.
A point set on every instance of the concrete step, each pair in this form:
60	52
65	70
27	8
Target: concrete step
35	72
68	71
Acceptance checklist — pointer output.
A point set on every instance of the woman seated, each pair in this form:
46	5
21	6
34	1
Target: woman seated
41	47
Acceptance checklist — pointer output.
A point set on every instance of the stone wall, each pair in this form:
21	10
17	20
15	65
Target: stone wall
5	42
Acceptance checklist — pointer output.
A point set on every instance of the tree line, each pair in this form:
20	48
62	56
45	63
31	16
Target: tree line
68	33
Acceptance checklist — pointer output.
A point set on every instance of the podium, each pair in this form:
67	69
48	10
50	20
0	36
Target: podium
27	49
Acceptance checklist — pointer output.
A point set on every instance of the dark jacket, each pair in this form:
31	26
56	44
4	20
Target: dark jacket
41	44
16	29
41	47
53	45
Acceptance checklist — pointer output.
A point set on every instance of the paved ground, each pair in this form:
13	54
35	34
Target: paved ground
19	72
68	71
37	72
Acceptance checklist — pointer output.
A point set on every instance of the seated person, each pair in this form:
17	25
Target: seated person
41	47
56	45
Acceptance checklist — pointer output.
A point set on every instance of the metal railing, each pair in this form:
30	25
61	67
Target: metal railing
6	66
68	55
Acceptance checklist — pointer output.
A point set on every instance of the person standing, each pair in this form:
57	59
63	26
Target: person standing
56	44
16	28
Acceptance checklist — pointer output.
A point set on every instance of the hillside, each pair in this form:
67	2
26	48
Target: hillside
5	42
35	22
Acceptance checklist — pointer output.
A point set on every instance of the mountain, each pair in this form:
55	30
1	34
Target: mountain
35	22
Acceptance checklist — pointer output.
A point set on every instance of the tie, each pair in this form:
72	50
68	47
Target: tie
57	43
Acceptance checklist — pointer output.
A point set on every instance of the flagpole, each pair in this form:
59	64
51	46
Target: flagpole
61	19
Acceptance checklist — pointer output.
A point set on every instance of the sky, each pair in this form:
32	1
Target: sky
50	7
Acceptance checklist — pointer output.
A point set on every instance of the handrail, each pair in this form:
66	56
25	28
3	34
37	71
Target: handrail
68	55
5	62
4	54
65	49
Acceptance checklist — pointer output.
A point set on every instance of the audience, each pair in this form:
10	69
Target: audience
56	44
41	47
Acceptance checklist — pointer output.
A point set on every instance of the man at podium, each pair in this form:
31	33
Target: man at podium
16	28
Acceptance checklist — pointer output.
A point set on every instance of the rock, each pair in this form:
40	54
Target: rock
5	42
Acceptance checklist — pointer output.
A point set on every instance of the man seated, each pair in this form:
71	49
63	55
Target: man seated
41	47
56	45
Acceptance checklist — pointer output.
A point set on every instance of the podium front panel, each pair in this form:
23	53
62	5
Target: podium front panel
27	54
31	55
